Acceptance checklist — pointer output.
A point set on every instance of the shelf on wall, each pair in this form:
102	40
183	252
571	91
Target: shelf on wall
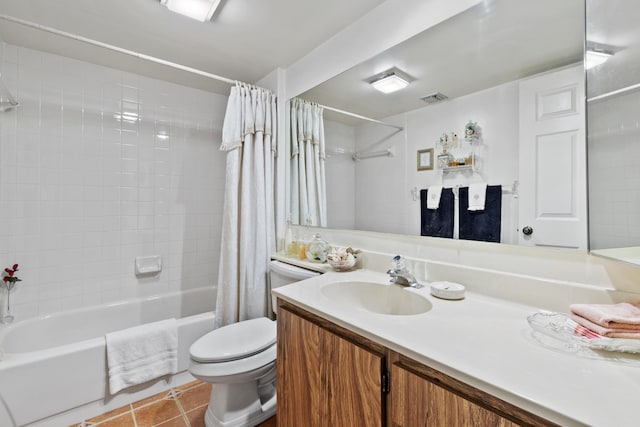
457	168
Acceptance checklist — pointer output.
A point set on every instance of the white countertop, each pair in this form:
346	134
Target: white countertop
630	255
487	343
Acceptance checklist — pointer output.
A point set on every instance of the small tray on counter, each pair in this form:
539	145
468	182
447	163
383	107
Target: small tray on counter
560	332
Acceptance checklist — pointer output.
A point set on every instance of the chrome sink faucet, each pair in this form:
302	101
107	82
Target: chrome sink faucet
400	275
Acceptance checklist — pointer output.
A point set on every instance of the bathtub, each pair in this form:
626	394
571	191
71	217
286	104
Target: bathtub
53	370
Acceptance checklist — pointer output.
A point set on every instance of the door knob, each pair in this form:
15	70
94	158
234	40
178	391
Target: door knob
527	231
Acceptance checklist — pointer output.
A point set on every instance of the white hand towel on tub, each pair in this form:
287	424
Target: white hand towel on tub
477	196
142	353
433	196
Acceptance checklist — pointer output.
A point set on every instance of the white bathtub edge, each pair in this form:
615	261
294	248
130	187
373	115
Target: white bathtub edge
73	376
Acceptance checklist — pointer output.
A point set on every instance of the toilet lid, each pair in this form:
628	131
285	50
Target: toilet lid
235	341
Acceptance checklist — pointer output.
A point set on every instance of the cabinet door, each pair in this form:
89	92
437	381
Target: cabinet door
418	402
324	379
354	388
300	383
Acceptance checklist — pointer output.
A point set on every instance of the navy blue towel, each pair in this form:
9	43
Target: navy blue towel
437	222
481	225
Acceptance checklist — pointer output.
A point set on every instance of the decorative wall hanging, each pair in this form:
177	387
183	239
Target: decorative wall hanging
425	159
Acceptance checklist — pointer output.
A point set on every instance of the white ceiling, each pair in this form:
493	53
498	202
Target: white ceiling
491	43
245	40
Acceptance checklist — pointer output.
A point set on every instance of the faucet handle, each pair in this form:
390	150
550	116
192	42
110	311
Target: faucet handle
400	275
397	263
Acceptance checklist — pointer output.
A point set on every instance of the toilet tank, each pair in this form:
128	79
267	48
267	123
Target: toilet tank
281	274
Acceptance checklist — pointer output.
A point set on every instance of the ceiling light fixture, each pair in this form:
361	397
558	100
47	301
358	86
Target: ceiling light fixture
390	81
201	10
593	58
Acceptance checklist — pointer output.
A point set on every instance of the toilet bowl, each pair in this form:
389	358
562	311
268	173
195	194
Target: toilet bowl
239	360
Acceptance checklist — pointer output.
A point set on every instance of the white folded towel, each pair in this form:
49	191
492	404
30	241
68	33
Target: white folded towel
477	196
433	196
142	353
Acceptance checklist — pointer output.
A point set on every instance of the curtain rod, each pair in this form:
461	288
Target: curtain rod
615	92
361	156
358	116
162	61
116	49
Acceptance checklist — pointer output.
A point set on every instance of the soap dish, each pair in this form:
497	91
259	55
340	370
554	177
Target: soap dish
447	290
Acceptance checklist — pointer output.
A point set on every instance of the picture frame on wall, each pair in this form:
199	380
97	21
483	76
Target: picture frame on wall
425	159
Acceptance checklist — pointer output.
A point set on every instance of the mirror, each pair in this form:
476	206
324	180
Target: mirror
613	96
477	59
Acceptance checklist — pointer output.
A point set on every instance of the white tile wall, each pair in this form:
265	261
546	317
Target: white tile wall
99	166
614	175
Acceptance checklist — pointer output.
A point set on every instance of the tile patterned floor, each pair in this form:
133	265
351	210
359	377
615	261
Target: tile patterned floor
182	406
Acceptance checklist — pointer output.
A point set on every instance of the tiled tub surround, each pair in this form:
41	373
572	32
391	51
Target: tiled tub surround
98	166
614	178
54	367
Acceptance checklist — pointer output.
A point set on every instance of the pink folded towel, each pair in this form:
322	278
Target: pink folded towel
583	331
613	316
602	331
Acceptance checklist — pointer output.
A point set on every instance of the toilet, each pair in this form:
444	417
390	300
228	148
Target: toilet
239	360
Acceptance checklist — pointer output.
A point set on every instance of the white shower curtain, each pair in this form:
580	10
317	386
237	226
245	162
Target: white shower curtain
248	230
308	184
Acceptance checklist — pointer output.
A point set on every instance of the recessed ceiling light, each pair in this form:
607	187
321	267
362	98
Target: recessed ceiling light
202	10
390	81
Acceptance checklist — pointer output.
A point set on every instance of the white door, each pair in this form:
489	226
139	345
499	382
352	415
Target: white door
552	164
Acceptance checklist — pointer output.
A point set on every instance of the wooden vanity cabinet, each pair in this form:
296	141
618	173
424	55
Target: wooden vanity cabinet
331	376
422	396
327	375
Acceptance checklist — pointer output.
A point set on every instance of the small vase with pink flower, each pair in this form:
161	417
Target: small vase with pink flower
9	280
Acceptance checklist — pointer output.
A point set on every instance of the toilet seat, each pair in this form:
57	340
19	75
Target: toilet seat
235	353
235	371
236	341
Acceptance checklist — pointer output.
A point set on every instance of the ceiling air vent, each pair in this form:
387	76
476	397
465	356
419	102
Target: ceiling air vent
434	97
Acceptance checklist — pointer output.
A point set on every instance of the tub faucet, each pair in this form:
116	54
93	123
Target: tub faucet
400	275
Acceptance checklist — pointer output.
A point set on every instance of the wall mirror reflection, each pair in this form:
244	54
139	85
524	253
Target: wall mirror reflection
512	68
613	96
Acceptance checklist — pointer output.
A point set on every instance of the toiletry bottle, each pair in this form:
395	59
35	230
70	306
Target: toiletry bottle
291	240
302	248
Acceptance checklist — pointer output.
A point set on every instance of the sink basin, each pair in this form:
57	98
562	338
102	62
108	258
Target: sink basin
377	298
